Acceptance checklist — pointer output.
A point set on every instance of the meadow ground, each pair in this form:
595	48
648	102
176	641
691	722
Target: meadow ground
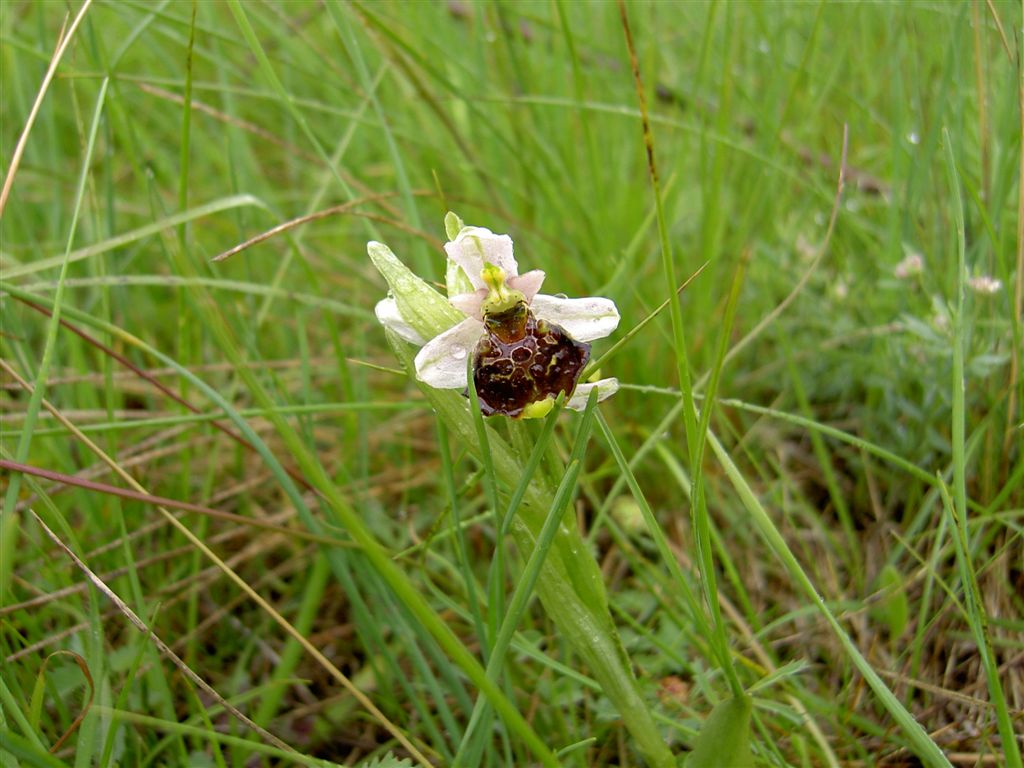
235	531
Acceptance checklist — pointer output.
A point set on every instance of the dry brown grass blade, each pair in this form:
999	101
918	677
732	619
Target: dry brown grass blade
334	210
44	598
146	498
63	40
999	27
175	591
245	125
88	704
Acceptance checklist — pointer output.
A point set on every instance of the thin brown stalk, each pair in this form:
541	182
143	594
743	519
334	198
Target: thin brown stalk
63	41
142	455
146	498
223	117
55	637
999	28
139	624
334	210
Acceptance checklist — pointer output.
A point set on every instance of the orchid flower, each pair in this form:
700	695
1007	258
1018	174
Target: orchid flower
526	347
525	351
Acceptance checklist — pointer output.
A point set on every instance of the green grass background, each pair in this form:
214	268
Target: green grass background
174	131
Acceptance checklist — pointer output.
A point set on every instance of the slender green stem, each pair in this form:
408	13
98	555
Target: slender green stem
976	613
496	573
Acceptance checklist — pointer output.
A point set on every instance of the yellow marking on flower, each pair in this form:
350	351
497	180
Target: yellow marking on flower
539	409
500	298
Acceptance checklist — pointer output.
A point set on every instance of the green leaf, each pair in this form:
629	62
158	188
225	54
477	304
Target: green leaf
452	225
725	737
893	609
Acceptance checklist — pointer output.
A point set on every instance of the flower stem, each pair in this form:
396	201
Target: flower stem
569	581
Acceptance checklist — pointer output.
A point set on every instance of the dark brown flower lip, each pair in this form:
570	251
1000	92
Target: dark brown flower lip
522	360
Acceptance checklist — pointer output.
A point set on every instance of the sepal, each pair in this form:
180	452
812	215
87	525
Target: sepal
423	309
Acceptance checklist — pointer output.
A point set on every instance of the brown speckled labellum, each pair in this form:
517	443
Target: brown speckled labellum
522	360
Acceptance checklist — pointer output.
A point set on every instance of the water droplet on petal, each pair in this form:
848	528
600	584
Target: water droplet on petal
459	353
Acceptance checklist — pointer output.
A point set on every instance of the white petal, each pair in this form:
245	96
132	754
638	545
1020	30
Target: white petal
605	389
474	246
529	283
442	361
469	303
583	319
389	316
